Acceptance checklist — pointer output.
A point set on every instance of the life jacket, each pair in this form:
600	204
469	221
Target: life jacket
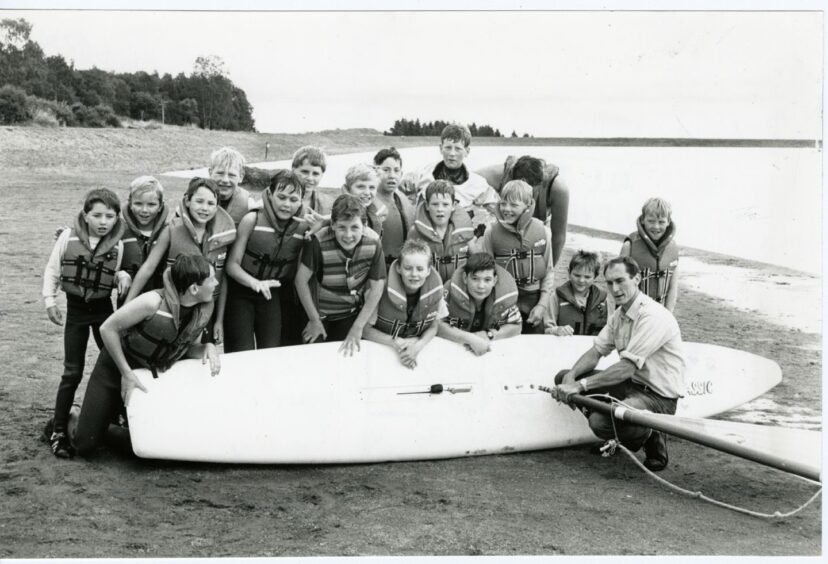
521	249
542	193
464	192
342	278
272	253
450	251
656	260
89	273
238	205
392	310
218	236
461	306
404	211
159	341
587	320
137	246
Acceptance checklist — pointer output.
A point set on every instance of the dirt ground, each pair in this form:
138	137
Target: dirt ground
566	501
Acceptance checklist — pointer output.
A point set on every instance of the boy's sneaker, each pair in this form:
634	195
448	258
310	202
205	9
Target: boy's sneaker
61	447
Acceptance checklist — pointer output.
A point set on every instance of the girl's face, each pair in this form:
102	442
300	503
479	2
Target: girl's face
202	206
287	202
100	219
145	208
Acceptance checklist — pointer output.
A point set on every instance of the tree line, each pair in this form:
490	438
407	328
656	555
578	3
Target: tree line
47	89
434	128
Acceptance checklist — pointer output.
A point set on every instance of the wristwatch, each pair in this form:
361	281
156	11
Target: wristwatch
490	334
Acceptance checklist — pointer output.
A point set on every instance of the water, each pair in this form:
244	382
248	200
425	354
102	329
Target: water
762	204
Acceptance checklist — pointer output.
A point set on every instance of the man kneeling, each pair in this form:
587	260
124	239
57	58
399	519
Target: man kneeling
152	331
650	374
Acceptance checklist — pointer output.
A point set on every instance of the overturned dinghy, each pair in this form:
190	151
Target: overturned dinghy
309	405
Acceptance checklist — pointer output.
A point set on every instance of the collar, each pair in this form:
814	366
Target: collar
635	309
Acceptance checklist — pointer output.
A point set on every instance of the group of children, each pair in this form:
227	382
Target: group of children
394	259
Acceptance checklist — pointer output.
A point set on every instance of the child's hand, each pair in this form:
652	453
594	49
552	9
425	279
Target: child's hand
54	315
536	316
351	343
263	287
218	332
313	330
211	355
559	331
129	382
124	282
478	345
408	355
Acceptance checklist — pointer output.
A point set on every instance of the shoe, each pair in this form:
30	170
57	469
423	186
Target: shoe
60	445
655	452
46	435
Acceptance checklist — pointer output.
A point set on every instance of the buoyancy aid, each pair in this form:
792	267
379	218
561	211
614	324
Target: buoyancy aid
521	248
392	318
657	260
238	205
464	192
462	308
452	249
272	252
342	279
405	212
219	234
541	193
587	320
89	273
157	342
137	246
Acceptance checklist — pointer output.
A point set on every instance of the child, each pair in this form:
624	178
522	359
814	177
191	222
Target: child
86	264
654	249
411	305
482	303
520	244
396	211
264	256
579	307
144	218
473	193
551	194
227	171
445	228
201	228
152	331
344	261
309	163
361	181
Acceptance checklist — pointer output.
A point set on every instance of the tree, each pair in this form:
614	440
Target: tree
13	105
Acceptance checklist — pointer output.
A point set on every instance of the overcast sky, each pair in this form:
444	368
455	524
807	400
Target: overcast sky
673	74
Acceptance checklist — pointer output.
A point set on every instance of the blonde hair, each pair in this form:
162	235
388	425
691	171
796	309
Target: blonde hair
360	171
144	184
313	155
517	191
657	207
227	157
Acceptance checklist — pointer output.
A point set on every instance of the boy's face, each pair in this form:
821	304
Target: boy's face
204	292
581	278
440	207
202	205
348	232
453	152
390	175
286	202
100	219
413	269
511	210
227	177
480	283
365	190
145	207
311	174
655	225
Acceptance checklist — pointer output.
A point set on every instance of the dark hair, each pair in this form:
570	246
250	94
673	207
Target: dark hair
478	262
529	169
347	207
439	187
585	259
313	155
383	154
104	196
629	264
285	179
197	183
188	270
456	132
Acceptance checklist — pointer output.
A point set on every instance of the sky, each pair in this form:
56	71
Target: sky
563	73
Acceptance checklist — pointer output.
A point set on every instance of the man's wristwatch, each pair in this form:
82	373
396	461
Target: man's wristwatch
490	334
